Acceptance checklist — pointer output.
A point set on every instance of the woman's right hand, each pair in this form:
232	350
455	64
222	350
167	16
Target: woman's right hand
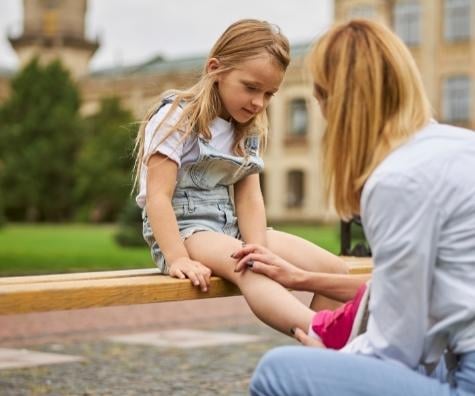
270	264
196	272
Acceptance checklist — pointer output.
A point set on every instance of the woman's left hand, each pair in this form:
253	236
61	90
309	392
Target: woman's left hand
306	340
262	261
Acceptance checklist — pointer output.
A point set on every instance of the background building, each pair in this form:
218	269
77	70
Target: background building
438	32
440	35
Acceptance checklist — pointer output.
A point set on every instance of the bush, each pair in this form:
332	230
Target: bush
130	226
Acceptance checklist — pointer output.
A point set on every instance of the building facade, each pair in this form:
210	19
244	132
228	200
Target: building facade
438	32
441	37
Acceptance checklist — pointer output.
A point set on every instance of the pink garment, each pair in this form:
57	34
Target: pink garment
334	327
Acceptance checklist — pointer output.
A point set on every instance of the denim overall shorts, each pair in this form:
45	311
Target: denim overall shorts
202	200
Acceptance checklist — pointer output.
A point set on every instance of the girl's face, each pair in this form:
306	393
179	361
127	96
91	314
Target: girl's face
246	90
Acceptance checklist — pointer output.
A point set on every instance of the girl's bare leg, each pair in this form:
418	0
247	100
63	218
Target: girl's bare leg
270	301
309	257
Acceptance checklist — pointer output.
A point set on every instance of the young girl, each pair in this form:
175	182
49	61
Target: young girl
198	145
413	183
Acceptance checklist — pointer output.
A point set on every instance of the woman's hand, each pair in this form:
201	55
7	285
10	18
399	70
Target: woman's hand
262	261
306	340
198	274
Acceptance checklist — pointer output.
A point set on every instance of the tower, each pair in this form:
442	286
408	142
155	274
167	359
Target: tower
54	29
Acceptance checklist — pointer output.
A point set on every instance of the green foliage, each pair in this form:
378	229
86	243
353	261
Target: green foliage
130	226
55	248
35	249
103	168
39	138
3	220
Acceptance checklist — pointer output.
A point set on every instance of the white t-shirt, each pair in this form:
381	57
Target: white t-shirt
418	212
174	147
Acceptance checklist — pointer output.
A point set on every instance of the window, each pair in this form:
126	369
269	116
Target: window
362	11
295	189
456	99
51	4
298	117
457	20
407	16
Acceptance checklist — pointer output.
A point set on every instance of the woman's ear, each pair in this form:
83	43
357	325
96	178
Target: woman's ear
212	65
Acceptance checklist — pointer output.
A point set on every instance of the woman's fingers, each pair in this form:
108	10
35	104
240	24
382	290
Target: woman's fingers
265	269
306	340
249	260
247	249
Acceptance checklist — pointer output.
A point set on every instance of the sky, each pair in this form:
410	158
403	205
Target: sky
132	31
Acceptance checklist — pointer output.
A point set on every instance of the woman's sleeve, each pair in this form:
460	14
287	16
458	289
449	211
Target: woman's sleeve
155	141
402	225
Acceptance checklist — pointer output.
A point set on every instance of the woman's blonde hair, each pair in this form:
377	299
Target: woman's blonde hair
243	40
371	93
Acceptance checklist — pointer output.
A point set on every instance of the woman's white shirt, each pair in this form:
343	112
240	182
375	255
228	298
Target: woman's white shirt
418	212
182	151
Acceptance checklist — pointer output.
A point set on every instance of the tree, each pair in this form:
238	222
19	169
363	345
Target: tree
105	163
39	139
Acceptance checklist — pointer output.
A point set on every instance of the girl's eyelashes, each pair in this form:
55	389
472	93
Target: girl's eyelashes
253	88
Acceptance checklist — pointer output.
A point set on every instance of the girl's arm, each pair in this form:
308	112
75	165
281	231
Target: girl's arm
161	182
250	210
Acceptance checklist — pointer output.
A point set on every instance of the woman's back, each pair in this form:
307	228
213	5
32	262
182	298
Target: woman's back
423	195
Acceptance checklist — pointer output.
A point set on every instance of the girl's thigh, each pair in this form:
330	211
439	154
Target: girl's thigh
304	254
312	371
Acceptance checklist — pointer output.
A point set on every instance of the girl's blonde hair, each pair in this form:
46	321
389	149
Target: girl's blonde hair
371	94
243	40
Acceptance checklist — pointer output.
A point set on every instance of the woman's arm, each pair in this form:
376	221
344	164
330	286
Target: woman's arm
161	182
340	287
250	210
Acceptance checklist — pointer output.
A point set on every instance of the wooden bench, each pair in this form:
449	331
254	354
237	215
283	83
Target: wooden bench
24	294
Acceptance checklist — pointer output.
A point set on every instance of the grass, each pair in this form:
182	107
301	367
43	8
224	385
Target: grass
41	249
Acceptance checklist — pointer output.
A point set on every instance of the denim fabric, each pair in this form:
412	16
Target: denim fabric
201	200
298	370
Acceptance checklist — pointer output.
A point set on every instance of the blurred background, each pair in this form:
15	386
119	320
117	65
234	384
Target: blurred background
77	76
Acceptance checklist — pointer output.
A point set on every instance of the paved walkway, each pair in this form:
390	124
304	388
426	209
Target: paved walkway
201	347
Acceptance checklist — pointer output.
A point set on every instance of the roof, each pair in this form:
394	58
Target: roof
158	64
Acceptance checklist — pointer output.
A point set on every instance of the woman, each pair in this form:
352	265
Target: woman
412	181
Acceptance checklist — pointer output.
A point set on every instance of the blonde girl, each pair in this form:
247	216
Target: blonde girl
413	183
198	159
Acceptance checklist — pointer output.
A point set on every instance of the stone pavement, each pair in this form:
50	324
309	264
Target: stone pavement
200	347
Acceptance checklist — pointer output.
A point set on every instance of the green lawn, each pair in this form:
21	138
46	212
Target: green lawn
40	249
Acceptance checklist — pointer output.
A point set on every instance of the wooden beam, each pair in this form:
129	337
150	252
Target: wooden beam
41	293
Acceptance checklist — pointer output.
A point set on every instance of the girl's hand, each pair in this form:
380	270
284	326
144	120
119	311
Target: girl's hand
262	261
306	340
196	272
